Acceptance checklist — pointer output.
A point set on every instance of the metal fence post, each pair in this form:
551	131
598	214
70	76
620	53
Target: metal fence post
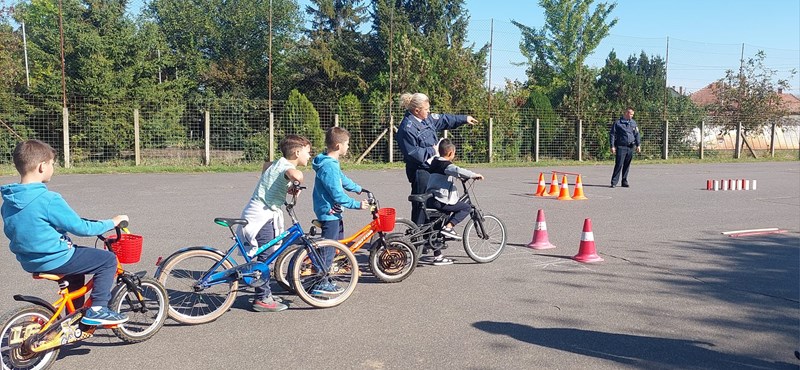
271	136
772	141
207	159
65	125
137	154
391	139
702	136
336	120
738	150
536	143
665	149
491	141
579	138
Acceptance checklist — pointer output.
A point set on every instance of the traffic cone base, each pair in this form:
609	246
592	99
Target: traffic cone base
578	195
564	195
540	240
587	252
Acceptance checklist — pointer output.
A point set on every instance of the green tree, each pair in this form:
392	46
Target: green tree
556	52
301	118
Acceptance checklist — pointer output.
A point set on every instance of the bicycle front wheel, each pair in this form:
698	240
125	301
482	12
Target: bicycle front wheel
189	303
320	289
146	316
281	272
18	325
484	238
393	259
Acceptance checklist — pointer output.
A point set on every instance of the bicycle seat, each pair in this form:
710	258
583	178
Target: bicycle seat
419	198
228	222
53	277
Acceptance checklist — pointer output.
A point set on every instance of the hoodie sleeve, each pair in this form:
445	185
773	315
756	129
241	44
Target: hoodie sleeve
350	185
64	218
459	172
332	180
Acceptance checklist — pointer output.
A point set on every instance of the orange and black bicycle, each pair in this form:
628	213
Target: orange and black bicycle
392	258
32	335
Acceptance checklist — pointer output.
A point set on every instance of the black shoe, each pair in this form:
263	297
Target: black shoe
625	185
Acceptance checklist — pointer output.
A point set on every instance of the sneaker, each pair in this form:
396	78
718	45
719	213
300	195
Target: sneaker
268	304
442	261
326	288
450	233
103	316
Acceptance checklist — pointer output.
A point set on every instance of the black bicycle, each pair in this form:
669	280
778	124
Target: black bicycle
484	235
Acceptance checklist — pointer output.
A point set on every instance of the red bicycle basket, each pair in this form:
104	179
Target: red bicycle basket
128	248
385	221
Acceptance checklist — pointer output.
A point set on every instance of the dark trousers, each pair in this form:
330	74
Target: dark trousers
458	211
418	186
622	163
264	236
99	262
333	230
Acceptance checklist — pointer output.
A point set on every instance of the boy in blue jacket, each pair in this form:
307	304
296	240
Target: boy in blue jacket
37	221
330	197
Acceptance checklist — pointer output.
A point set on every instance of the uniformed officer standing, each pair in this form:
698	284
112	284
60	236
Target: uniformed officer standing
624	136
417	138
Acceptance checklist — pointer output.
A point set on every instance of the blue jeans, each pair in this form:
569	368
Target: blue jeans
458	212
99	262
333	230
264	236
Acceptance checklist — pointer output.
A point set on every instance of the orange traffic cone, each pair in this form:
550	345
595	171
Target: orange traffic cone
541	189
587	252
540	240
564	189
553	186
578	195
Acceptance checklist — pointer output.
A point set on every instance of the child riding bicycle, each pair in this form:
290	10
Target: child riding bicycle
445	195
329	195
263	212
37	221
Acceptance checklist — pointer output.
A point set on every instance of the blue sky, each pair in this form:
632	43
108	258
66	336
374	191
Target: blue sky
705	36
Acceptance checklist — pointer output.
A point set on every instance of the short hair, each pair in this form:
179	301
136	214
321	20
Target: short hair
412	101
445	146
28	154
335	135
629	108
290	143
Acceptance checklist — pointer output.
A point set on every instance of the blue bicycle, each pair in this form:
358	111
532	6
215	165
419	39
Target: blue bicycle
202	282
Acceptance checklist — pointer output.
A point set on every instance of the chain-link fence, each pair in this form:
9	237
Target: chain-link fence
226	131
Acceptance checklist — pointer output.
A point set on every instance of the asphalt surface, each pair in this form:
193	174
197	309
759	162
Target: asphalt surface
672	293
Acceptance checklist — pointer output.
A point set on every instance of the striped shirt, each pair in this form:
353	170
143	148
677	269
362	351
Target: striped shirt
271	188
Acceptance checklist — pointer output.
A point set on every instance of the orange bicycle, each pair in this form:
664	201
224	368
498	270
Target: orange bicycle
32	335
392	258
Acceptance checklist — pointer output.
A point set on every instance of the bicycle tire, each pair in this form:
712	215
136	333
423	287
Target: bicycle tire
394	260
186	305
343	273
17	358
140	326
281	271
484	250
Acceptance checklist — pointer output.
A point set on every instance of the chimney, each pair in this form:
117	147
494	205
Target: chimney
780	90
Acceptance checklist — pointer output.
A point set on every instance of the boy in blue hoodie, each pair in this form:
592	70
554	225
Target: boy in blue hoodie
37	221
330	197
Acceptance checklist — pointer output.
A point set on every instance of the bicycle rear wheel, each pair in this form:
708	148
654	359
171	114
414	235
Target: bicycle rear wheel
145	317
393	260
18	325
484	238
281	272
188	303
307	276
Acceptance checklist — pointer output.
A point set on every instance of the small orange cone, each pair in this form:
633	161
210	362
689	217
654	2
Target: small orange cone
541	189
564	189
540	240
553	186
578	195
587	252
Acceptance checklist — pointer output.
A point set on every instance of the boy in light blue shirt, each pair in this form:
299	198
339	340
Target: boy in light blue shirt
330	198
37	221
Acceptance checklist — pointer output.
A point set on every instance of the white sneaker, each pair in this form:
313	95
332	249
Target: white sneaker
450	233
